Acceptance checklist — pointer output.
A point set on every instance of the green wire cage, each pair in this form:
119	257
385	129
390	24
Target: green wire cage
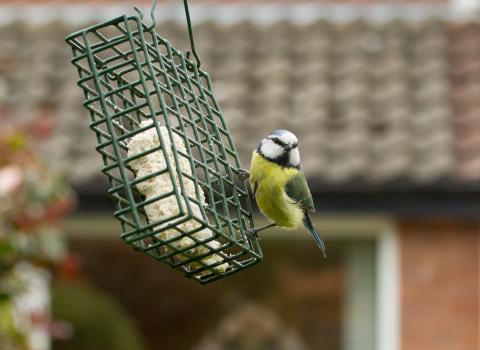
171	163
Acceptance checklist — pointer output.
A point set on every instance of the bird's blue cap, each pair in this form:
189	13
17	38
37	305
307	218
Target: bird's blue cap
279	132
286	136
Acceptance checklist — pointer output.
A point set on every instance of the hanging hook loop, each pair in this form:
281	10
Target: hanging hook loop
190	34
189	25
152	14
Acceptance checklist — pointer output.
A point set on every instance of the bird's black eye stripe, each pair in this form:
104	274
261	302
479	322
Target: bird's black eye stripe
283	144
278	142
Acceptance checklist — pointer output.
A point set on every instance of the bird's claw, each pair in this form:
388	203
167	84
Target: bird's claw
243	174
252	234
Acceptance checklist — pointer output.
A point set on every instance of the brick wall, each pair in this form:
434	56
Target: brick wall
440	285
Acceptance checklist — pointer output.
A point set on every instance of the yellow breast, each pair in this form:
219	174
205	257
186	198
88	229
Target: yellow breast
268	180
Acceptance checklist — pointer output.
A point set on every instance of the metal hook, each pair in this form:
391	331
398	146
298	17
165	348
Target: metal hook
190	34
152	14
189	24
139	12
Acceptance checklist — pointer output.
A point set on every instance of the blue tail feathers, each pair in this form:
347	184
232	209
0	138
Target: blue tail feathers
316	235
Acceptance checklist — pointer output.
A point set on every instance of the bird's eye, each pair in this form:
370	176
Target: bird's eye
279	142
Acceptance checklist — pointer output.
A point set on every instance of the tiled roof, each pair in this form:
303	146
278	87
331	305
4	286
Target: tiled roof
464	53
374	103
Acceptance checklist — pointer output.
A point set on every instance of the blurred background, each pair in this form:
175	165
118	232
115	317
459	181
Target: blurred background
385	99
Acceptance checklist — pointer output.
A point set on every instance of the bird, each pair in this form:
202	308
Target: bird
280	187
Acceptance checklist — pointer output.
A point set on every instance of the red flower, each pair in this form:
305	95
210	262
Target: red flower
70	266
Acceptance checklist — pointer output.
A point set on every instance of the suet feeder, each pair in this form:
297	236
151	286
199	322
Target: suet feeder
171	163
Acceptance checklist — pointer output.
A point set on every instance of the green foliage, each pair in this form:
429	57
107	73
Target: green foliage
33	198
99	322
10	337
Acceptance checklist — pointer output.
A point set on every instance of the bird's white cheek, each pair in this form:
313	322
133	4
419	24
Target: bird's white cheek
271	149
294	157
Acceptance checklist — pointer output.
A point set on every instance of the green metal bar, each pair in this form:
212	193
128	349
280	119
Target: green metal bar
167	124
127	79
110	128
190	33
189	112
162	103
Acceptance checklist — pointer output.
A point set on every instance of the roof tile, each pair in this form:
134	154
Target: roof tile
375	102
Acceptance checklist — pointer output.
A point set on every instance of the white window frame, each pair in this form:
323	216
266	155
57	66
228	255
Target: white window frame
388	291
387	267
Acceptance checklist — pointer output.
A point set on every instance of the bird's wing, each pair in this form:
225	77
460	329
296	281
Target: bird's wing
297	189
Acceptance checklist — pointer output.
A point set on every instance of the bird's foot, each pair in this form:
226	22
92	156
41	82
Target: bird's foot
243	174
252	233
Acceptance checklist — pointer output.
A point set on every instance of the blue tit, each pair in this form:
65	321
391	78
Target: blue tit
279	185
